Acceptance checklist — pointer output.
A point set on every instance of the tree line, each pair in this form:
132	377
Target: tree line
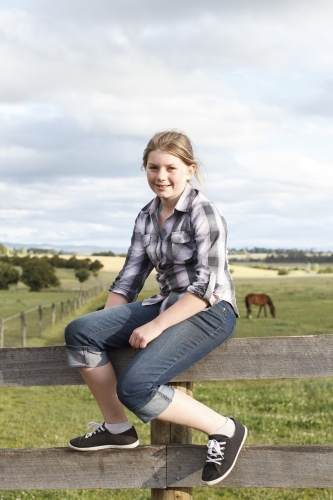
286	256
40	272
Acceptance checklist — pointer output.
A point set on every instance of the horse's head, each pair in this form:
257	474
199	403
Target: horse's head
273	311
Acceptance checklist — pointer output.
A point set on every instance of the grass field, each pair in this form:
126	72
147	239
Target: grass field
20	299
275	412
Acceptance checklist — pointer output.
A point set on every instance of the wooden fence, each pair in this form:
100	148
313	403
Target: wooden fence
171	465
46	315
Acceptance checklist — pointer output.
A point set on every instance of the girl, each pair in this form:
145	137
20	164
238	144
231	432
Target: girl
182	235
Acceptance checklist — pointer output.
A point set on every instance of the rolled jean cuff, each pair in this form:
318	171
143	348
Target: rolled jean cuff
159	402
84	357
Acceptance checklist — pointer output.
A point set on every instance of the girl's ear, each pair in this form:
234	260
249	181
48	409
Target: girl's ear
190	171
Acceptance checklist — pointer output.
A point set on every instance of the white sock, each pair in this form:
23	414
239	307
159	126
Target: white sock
118	428
228	429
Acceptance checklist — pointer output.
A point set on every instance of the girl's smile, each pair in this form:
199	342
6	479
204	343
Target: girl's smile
167	176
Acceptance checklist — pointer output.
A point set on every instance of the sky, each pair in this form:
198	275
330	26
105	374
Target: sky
86	83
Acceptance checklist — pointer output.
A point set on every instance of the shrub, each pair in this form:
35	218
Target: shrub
325	270
283	272
8	275
3	249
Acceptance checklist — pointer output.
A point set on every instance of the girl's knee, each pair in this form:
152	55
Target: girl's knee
74	332
124	391
130	390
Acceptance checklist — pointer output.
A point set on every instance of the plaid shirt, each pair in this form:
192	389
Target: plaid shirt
189	255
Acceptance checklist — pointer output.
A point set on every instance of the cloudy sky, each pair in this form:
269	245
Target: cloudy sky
85	83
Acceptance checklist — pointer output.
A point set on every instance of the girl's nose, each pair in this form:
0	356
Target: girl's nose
161	175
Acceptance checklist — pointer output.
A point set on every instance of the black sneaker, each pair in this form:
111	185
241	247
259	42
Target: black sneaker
222	454
101	438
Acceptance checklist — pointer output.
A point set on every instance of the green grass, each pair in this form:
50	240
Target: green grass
275	411
21	299
303	306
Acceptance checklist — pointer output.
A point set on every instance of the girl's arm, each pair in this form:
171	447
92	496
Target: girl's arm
136	269
115	299
188	305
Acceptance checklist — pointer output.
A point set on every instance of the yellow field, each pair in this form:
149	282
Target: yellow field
114	264
240	271
111	264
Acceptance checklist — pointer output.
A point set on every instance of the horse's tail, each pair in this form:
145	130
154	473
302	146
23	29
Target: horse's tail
248	306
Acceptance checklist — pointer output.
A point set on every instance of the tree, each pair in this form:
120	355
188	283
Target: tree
38	273
104	254
82	275
95	267
75	263
8	276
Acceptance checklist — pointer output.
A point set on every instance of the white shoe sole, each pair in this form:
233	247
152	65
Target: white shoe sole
107	446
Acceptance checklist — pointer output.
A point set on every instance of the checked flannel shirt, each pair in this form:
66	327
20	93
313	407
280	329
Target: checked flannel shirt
189	255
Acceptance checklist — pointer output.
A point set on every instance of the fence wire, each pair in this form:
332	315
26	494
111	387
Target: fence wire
16	329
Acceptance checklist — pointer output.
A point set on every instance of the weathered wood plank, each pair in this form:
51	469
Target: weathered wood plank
36	366
237	359
165	433
258	466
63	468
267	466
266	358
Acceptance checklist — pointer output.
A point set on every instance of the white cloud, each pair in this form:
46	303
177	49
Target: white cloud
293	168
85	84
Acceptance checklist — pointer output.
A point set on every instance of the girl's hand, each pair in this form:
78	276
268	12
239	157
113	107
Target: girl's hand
141	336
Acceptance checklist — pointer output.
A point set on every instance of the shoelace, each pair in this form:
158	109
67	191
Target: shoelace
215	451
100	427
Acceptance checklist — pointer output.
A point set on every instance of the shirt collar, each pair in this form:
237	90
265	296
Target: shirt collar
183	204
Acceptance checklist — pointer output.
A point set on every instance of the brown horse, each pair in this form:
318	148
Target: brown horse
261	300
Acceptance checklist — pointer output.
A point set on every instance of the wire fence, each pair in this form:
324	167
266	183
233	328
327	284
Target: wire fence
15	330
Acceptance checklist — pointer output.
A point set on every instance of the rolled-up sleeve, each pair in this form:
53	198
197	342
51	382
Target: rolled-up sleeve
210	234
136	269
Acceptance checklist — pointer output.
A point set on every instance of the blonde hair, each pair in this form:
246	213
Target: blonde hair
177	144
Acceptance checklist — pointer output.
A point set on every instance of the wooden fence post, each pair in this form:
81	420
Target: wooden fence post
167	433
61	311
2	332
40	320
23	330
53	314
68	307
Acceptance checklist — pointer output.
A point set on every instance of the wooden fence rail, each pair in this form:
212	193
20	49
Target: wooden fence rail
161	466
238	359
171	466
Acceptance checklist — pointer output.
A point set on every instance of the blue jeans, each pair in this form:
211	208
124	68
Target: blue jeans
141	386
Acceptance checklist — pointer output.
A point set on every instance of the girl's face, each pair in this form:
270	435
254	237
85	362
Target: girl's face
167	176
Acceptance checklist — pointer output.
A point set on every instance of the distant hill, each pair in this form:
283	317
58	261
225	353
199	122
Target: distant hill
78	249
